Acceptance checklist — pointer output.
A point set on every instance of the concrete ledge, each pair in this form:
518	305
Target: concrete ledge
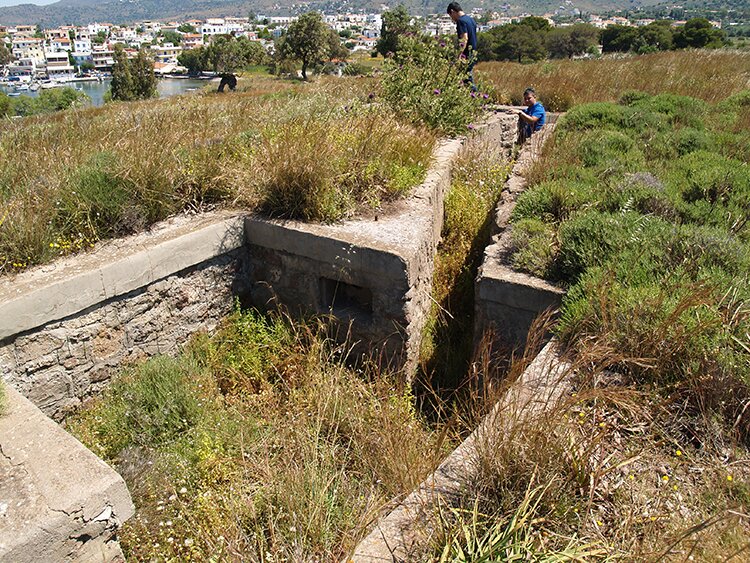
58	501
407	528
71	285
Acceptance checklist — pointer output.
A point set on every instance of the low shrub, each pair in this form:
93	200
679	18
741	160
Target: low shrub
605	115
679	110
712	189
425	84
609	149
534	247
553	200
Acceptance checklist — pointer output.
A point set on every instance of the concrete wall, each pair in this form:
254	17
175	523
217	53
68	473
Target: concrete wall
58	501
372	273
507	302
67	327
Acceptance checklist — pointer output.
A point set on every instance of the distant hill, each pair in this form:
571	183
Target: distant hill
128	11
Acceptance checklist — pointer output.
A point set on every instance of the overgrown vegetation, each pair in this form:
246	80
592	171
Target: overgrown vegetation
590	467
257	444
478	178
644	217
48	101
708	75
318	155
424	83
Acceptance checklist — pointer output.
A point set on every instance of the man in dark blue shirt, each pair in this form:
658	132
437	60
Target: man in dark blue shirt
533	117
466	29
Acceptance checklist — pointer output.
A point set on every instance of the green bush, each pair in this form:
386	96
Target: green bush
630	97
424	83
533	243
553	201
639	191
607	148
710	188
150	405
680	110
593	238
605	115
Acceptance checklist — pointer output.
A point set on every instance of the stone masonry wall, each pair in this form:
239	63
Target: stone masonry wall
65	361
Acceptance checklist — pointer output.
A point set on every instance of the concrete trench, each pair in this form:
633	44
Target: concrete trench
66	327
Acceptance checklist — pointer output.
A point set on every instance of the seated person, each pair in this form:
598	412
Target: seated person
533	117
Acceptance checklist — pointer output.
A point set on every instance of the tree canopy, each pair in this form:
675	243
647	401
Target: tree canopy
308	40
132	79
396	24
225	55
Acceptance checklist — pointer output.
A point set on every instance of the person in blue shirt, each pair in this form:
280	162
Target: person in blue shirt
466	29
533	118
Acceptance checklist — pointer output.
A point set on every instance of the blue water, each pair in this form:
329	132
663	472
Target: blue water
95	90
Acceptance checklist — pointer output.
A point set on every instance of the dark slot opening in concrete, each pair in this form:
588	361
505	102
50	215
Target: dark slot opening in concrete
346	300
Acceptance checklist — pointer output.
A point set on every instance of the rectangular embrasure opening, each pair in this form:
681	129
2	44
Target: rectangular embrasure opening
345	299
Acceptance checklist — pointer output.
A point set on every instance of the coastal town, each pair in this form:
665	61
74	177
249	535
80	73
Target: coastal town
32	57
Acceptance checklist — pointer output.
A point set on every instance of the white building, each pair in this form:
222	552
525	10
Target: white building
58	66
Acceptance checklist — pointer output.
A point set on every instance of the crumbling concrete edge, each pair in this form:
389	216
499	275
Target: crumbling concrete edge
67	287
72	503
407	528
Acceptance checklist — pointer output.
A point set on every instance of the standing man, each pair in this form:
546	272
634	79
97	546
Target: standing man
466	29
532	118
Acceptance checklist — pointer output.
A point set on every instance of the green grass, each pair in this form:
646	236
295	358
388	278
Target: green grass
313	152
257	444
645	220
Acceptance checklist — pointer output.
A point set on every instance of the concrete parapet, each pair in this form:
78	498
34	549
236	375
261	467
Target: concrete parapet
506	301
58	501
403	533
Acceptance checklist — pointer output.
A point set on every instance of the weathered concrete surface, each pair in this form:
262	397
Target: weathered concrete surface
507	302
113	318
70	285
373	273
400	535
58	501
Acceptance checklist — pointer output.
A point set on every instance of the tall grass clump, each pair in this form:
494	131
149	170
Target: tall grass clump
708	75
424	83
258	443
76	177
575	464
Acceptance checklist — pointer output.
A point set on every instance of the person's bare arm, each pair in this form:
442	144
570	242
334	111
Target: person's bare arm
530	119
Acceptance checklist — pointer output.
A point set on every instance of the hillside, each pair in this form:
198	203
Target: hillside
122	11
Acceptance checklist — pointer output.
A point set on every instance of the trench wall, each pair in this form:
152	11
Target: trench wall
65	328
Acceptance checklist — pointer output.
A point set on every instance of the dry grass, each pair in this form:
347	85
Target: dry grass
73	178
613	470
708	75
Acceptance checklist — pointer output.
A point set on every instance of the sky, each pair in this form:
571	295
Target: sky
17	2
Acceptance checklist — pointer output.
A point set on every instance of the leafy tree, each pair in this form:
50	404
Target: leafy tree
171	37
194	60
583	37
226	55
396	24
699	33
335	49
5	55
144	79
99	38
263	33
48	101
87	66
122	87
519	42
658	35
307	40
5	105
132	80
618	38
186	28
